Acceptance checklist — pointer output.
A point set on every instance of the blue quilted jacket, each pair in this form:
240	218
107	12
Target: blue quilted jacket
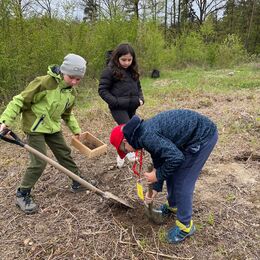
166	136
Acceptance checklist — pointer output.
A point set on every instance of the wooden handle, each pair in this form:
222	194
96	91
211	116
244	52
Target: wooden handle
64	170
150	190
150	186
150	167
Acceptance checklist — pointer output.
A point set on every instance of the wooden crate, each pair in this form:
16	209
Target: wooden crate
89	145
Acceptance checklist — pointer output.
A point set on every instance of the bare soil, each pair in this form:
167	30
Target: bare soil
88	226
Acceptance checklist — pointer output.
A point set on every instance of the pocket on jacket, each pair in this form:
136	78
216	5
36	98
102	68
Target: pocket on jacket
135	103
37	123
123	102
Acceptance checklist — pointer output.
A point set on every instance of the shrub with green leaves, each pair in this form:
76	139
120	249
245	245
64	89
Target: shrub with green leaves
191	49
106	35
230	52
149	46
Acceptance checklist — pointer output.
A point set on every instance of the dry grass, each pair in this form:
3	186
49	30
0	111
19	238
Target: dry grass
87	226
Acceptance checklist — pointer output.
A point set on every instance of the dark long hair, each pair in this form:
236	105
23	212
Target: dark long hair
123	49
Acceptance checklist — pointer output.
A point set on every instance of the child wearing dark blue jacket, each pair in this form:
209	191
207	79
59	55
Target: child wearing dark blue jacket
180	142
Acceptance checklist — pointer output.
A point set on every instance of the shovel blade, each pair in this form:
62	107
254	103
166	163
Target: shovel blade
109	195
155	215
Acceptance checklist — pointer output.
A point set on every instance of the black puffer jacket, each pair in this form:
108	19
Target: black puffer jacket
120	94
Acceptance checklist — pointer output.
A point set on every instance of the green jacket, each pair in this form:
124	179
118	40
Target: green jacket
42	105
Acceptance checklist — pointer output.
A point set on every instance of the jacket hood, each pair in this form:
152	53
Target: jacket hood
54	71
131	130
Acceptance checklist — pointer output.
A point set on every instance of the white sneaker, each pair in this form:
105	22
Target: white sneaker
119	162
131	157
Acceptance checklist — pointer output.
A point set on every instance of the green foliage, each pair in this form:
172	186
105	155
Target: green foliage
162	234
26	53
191	49
149	46
106	35
231	197
243	18
230	52
169	57
207	30
28	46
211	219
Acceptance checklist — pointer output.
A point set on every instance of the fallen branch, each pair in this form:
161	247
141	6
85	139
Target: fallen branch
169	256
95	233
151	252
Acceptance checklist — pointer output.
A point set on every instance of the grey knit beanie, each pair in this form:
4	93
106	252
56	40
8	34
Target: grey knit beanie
73	65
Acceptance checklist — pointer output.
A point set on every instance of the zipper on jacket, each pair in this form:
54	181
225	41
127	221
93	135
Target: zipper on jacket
40	120
54	110
67	104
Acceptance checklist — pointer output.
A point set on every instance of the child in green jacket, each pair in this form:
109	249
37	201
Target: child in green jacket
42	104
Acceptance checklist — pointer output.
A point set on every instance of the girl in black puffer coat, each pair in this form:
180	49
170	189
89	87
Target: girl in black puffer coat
120	88
119	84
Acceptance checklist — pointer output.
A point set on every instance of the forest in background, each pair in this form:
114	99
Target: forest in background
165	34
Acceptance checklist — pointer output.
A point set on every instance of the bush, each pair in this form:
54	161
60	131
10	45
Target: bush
106	35
230	52
191	49
149	46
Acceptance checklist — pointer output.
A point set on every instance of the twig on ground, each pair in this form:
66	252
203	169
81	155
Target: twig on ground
169	256
156	253
95	233
137	241
50	256
156	244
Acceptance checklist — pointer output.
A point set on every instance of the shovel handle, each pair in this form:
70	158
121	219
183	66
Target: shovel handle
14	140
64	170
150	190
150	186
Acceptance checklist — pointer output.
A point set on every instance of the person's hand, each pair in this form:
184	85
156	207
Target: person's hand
77	136
141	102
148	199
151	176
2	127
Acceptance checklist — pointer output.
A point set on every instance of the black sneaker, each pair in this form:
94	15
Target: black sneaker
77	187
167	211
25	202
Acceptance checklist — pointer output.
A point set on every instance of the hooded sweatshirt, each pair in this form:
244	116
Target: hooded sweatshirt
42	105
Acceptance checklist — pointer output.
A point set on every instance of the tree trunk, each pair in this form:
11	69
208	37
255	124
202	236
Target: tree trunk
250	25
165	19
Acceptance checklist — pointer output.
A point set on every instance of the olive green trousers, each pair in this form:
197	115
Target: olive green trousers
61	151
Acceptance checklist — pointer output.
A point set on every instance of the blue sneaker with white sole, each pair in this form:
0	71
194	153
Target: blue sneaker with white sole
180	232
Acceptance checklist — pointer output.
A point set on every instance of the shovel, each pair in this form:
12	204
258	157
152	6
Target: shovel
155	215
16	140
